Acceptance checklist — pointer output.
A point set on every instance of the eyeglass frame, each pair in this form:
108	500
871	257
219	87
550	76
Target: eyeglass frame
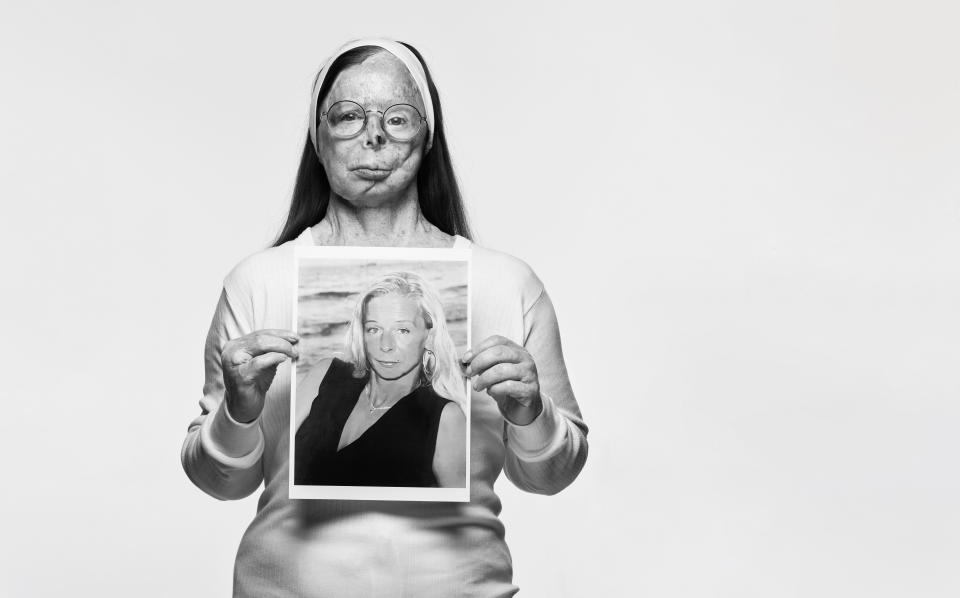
382	113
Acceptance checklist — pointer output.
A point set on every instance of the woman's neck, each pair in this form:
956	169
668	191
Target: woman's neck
385	392
398	223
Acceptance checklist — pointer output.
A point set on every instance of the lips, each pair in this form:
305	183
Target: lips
371	172
370	166
387	364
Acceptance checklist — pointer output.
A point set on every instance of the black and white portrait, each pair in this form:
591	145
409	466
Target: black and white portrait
381	406
697	263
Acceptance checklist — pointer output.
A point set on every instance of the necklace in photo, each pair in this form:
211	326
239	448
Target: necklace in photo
366	391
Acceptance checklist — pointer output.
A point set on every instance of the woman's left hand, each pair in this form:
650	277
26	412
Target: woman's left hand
508	373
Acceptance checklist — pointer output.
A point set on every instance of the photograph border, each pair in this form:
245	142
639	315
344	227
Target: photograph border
412	254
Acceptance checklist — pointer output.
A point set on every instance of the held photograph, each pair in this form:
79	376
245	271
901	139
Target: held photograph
380	406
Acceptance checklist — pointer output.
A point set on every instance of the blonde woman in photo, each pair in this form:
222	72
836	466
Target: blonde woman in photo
392	413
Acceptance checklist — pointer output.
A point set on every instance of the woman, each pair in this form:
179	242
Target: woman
383	183
392	413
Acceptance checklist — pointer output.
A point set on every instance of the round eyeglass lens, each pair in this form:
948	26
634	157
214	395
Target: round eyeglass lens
402	122
345	118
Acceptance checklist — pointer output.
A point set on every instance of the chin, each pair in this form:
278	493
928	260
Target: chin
370	194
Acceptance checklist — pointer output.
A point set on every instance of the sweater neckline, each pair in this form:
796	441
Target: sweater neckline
306	238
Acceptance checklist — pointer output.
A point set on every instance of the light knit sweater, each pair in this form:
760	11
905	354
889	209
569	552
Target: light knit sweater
345	549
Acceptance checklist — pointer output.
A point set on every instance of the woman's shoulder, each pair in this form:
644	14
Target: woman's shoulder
308	386
327	371
335	364
451	419
494	258
431	400
437	408
264	263
331	369
510	273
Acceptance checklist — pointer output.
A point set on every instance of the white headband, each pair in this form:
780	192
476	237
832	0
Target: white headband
405	56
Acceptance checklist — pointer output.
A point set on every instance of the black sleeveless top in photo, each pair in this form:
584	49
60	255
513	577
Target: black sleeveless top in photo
397	450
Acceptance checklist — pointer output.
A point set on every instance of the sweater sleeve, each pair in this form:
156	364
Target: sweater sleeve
220	455
547	455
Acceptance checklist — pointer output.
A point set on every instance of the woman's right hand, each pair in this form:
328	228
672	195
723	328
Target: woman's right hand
249	364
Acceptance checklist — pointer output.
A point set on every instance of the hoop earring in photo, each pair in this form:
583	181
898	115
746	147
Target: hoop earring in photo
429	363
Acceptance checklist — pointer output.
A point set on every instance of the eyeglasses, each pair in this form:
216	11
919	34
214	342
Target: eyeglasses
345	119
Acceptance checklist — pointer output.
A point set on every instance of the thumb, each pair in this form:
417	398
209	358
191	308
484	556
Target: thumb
502	400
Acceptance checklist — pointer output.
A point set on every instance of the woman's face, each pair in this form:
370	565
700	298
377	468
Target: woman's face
371	168
394	335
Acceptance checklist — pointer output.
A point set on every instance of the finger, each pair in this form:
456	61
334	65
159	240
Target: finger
234	353
518	403
267	343
288	335
499	373
506	391
491	356
486	343
241	353
261	364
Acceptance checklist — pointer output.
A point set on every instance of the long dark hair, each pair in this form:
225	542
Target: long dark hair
437	188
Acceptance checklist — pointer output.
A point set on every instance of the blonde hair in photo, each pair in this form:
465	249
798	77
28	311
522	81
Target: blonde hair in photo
447	380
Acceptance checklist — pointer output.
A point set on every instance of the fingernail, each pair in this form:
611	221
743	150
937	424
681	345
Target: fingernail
467	356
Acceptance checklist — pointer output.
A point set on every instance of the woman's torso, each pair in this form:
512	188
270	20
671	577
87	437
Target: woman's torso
380	548
396	450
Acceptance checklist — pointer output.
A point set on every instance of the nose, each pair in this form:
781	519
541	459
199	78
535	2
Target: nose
387	343
373	134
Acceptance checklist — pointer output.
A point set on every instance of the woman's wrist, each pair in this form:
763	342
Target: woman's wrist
521	415
233	442
542	437
238	415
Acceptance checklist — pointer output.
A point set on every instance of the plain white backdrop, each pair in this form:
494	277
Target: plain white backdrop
746	214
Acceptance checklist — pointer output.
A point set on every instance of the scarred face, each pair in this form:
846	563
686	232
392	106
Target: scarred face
371	168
